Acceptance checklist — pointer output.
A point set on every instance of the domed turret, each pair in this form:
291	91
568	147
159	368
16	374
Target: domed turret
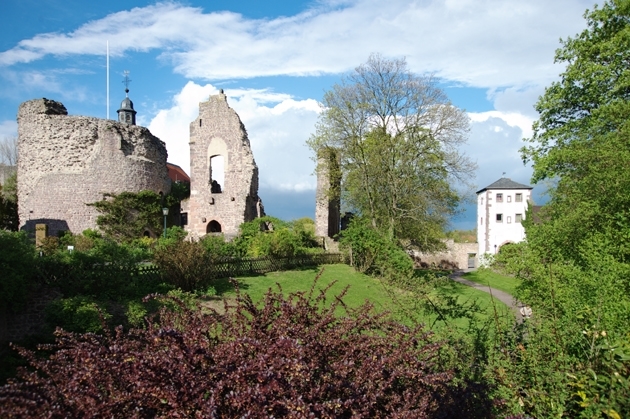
126	113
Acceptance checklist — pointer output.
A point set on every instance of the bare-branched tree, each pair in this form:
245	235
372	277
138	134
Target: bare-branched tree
9	151
397	136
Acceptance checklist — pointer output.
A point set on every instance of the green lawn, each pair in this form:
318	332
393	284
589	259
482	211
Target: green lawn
494	280
365	288
362	287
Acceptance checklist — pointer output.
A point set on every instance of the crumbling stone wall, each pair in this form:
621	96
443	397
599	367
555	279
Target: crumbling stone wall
218	131
66	162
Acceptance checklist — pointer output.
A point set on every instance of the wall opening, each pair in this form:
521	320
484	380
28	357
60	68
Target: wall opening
213	227
217	174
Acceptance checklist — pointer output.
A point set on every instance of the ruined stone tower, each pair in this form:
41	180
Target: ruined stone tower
327	201
66	162
223	173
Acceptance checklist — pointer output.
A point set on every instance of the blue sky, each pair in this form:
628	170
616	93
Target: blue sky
275	59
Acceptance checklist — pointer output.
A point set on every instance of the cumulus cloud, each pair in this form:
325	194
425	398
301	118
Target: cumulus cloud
485	43
494	143
277	125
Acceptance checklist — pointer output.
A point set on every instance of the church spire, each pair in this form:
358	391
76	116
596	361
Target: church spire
126	113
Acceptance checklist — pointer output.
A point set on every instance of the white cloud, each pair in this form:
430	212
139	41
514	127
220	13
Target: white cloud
483	43
277	126
8	129
494	143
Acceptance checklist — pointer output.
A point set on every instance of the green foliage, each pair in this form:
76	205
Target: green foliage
575	266
270	236
129	215
179	192
462	236
397	137
8	204
369	251
76	314
17	257
184	264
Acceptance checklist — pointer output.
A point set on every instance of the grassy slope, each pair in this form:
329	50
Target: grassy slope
493	279
362	288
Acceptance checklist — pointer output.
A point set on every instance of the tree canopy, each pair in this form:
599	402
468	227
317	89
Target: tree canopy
581	140
397	138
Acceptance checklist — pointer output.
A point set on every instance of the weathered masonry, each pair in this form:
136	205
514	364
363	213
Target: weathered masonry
327	201
223	173
66	162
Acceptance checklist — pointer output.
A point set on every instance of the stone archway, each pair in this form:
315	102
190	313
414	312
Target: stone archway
213	227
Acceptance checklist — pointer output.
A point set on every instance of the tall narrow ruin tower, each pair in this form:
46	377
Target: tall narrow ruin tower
223	173
327	202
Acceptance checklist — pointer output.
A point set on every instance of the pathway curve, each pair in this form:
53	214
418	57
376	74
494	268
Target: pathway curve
502	296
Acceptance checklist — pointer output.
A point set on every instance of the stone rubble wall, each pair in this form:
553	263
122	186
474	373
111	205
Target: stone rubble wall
66	162
218	130
455	256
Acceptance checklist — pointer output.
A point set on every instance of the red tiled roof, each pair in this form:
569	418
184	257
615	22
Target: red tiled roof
176	173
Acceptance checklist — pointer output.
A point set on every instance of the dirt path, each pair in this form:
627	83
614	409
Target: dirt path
502	296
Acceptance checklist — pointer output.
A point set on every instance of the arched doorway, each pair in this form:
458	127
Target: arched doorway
213	227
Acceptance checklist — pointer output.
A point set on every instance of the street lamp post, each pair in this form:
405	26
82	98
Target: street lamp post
165	212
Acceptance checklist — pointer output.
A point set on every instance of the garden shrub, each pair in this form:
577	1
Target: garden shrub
185	264
17	259
371	252
76	314
287	357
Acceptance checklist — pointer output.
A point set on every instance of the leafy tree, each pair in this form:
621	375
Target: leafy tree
576	262
397	136
581	138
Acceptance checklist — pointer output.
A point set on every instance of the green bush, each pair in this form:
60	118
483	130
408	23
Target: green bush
270	236
371	252
79	314
185	265
17	258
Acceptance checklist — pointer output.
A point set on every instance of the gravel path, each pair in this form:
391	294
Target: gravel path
502	296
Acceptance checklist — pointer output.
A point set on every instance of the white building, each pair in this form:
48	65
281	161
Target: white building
501	207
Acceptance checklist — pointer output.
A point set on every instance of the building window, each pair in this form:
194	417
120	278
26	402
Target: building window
481	200
499	197
509	219
518	197
509	198
518	218
481	221
499	218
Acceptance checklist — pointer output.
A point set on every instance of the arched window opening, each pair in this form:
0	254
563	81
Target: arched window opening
217	175
213	227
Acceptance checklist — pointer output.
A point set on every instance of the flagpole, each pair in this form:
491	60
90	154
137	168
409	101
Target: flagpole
107	79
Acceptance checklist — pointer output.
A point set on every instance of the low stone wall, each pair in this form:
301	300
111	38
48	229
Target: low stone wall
456	256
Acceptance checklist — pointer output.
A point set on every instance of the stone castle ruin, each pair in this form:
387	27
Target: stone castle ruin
66	162
223	173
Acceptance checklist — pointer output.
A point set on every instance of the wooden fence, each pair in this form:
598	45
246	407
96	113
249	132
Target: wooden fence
58	274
